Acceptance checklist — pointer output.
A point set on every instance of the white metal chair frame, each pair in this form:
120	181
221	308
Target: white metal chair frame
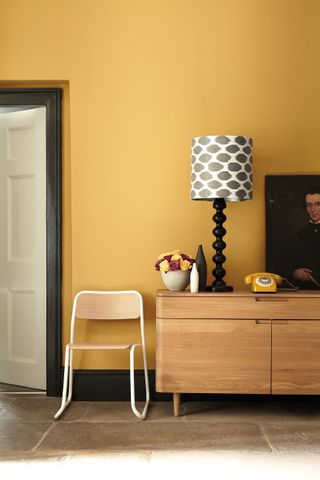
68	369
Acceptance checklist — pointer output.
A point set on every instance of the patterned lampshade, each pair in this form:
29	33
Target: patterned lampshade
221	168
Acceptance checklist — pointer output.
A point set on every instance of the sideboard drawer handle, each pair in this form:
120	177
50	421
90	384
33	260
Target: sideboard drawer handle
272	299
263	322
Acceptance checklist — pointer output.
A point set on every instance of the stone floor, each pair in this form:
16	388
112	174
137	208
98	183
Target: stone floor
239	434
8	388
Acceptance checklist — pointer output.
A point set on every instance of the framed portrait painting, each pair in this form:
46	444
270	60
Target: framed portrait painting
293	229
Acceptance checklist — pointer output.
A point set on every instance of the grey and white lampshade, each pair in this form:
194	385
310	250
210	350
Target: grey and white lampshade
221	168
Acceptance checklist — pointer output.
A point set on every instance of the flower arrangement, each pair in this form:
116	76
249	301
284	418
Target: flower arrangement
172	261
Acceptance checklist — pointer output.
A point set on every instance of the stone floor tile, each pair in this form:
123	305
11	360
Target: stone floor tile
154	436
162	412
5	387
111	412
75	412
35	408
15	436
5	401
39	408
293	437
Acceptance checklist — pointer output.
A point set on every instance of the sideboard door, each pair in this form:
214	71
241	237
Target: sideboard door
213	356
296	357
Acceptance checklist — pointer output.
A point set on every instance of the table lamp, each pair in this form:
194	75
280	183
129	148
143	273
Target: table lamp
221	171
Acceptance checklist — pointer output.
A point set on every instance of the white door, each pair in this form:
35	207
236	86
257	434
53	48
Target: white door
23	248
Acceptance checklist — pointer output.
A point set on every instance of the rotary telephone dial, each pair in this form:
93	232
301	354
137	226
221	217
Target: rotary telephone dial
263	282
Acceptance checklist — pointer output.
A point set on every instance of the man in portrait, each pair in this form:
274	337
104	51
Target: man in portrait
301	259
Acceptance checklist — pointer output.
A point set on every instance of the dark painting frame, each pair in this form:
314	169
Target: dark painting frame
285	216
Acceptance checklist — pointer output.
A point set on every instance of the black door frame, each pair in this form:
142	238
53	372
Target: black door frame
51	99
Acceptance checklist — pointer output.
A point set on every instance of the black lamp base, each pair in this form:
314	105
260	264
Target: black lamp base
219	245
221	288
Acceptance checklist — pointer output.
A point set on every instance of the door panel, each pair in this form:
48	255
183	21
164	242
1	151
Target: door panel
23	248
21	217
296	357
213	356
21	320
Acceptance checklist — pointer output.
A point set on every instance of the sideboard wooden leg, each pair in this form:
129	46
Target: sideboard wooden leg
176	404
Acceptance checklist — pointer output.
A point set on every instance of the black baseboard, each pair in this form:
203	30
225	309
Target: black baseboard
112	385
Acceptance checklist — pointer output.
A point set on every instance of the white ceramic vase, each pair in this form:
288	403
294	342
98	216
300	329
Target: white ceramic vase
176	280
194	279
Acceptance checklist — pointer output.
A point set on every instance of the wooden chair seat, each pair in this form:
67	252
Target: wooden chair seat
99	346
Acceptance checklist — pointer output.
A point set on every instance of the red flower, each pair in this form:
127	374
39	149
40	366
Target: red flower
174	265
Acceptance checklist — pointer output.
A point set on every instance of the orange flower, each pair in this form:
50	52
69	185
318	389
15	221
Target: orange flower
185	265
164	266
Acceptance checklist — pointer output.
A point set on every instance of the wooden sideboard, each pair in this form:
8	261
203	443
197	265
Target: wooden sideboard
237	342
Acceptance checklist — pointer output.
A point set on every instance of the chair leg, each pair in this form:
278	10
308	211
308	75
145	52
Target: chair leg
70	378
132	385
67	369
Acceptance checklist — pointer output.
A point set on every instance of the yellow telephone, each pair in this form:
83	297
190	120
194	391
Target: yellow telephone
263	282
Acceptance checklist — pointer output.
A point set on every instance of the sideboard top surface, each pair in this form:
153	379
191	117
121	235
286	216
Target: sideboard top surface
242	293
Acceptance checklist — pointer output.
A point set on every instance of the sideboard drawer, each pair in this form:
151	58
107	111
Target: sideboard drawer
239	307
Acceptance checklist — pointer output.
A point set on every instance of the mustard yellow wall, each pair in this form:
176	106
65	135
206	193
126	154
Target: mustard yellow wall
141	78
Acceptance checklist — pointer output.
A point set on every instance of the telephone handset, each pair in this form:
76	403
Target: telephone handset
263	282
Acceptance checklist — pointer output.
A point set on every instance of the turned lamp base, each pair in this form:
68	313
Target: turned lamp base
221	288
219	245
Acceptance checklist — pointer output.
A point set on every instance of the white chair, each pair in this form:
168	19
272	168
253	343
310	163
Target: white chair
110	305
